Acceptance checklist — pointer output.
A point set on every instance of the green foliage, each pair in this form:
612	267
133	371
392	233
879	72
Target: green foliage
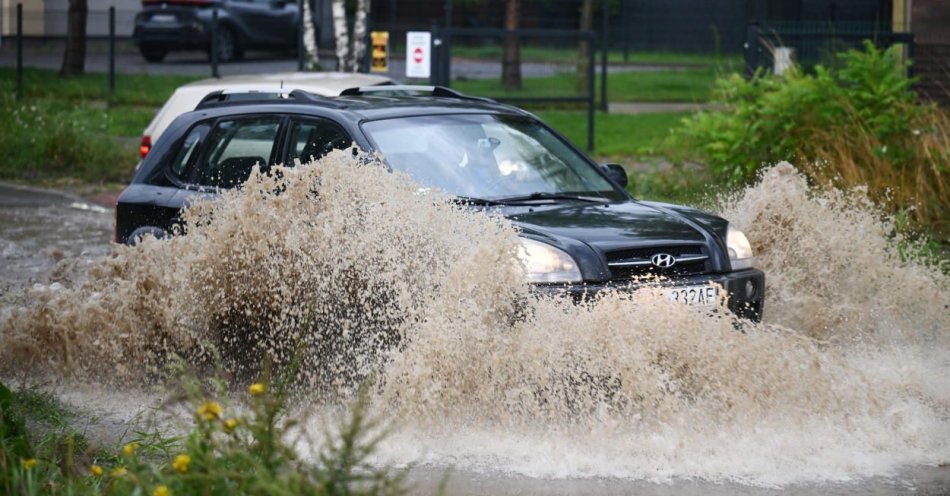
232	449
859	124
772	118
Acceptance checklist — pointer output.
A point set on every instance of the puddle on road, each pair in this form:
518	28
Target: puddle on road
845	378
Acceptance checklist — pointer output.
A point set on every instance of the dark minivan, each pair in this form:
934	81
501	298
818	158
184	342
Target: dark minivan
580	230
168	25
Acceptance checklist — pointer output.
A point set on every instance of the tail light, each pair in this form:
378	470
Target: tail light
145	146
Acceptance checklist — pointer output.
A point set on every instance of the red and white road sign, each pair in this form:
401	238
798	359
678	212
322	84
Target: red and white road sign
418	54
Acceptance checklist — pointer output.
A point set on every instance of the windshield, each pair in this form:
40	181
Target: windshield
486	156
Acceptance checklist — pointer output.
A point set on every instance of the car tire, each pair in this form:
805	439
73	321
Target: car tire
153	54
227	45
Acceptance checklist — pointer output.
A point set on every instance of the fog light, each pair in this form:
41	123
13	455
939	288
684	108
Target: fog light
749	289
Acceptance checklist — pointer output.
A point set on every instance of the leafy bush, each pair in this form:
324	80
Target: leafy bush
857	125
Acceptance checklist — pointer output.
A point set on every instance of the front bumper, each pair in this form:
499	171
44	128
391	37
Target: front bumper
742	302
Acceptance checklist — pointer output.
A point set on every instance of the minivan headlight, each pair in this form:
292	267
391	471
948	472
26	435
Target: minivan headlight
740	251
545	263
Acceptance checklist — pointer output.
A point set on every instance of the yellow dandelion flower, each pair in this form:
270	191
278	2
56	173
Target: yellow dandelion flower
161	491
209	410
96	470
118	472
130	449
230	424
256	389
180	464
28	463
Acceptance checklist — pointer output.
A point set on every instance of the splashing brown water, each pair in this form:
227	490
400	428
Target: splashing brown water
368	275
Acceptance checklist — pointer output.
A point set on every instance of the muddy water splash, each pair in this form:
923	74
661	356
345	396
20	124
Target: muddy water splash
367	274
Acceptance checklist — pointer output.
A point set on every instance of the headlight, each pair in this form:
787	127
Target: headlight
740	251
545	263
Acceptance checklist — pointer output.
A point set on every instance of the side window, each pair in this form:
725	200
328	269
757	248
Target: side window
234	148
184	161
312	139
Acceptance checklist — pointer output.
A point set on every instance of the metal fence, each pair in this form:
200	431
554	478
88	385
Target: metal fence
583	93
816	43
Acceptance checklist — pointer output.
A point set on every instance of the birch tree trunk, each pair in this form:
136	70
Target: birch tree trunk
311	56
342	36
359	34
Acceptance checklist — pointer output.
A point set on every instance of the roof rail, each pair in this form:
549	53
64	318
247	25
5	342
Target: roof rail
408	90
263	95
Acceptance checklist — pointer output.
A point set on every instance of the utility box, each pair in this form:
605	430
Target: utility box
783	60
380	59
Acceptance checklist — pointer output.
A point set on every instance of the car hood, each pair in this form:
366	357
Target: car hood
609	226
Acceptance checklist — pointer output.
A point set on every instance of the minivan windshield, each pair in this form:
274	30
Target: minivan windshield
488	157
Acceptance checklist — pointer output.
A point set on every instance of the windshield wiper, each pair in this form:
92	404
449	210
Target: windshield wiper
549	196
478	202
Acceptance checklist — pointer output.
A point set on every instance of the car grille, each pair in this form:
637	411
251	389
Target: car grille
637	262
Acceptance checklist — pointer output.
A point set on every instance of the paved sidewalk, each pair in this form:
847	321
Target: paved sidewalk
658	107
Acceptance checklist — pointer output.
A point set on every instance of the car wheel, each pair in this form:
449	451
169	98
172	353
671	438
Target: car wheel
227	44
153	54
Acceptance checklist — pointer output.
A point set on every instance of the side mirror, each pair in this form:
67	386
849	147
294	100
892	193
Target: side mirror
617	173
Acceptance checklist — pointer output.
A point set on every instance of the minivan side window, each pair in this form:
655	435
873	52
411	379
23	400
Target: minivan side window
187	155
234	148
311	139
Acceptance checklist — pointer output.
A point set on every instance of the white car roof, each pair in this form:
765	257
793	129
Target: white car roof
187	97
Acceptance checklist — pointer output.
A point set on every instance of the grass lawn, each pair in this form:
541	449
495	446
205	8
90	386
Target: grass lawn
131	89
617	135
637	141
73	129
530	53
673	85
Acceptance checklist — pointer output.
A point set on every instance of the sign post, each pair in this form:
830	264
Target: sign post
418	54
380	60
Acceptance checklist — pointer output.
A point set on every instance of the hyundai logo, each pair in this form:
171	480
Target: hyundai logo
663	260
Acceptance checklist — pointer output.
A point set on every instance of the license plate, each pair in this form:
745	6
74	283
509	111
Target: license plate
164	18
694	295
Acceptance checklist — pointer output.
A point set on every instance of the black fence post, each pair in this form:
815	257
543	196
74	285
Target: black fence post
435	57
910	55
367	45
112	49
300	30
19	51
591	96
604	44
751	49
214	43
625	22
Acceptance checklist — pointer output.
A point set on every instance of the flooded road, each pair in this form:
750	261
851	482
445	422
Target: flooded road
831	396
45	233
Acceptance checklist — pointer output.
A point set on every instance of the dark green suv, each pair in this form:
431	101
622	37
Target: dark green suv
581	231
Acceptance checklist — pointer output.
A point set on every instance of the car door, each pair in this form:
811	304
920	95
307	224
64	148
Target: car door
232	148
311	138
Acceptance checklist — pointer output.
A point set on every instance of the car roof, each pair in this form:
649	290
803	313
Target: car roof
186	97
360	108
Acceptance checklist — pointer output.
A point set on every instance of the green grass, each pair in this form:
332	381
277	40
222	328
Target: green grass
674	85
531	53
131	89
617	135
636	141
74	129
